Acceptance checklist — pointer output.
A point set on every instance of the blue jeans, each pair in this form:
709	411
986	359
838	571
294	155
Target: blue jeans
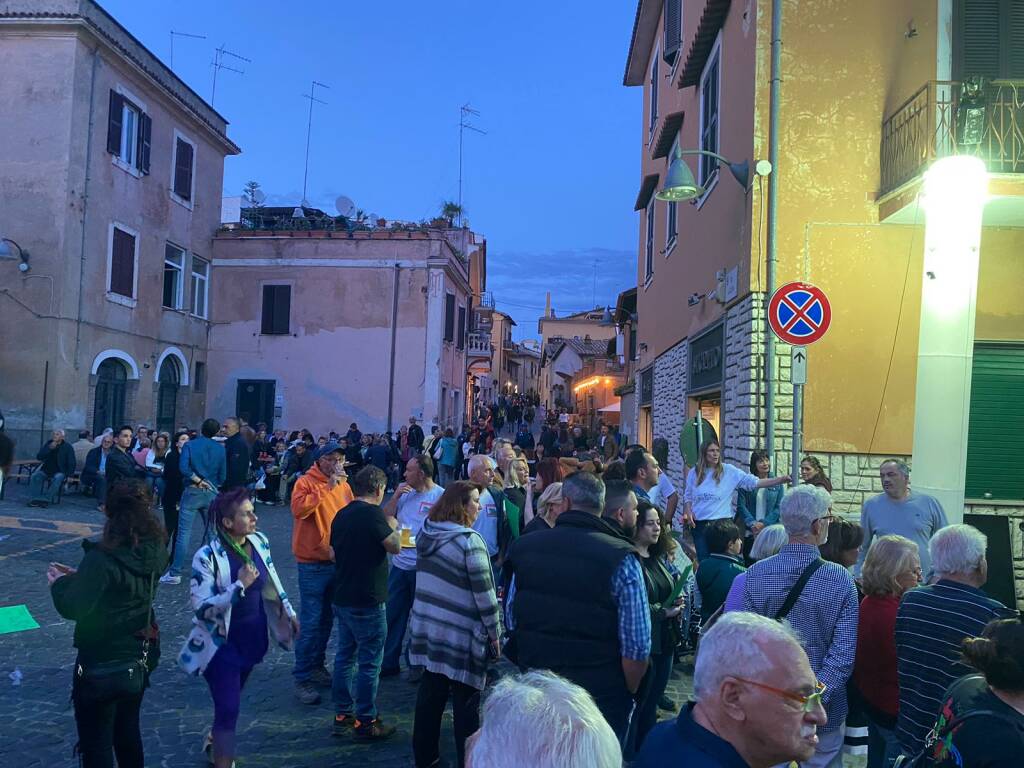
39	480
315	617
700	542
361	633
401	591
883	746
192	500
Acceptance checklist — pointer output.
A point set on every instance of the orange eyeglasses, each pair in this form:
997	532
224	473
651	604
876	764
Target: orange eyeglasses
809	702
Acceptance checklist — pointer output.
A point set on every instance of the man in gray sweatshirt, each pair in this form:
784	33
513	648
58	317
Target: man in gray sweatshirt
902	512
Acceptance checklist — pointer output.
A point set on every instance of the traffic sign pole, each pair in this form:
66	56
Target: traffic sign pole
798	376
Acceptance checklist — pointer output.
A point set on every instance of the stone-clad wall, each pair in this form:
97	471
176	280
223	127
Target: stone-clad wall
669	406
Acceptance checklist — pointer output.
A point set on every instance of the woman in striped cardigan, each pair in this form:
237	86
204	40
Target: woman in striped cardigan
455	628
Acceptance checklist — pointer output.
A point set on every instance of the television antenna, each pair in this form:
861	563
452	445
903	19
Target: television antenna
466	113
344	206
218	64
309	131
181	34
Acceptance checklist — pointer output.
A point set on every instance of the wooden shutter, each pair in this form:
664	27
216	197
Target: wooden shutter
145	137
988	39
183	170
122	264
449	317
115	119
997	423
277	305
673	17
460	339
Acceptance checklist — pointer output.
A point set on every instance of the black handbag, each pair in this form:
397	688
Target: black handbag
110	680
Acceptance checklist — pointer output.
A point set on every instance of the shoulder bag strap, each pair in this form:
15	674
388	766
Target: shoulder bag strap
149	619
798	588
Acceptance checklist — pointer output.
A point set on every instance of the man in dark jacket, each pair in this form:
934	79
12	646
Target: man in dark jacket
416	436
239	456
577	600
120	463
354	436
58	459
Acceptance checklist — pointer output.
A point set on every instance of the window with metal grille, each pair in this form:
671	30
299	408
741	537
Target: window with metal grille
646	386
122	263
174	276
449	317
199	377
277	307
996	424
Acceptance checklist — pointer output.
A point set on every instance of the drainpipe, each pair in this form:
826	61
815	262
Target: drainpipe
394	340
773	192
85	206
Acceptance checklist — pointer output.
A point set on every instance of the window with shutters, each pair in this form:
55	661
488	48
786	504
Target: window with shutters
277	307
671	209
988	39
200	287
649	246
174	276
996	424
710	81
182	170
653	94
449	317
673	30
460	338
122	265
129	133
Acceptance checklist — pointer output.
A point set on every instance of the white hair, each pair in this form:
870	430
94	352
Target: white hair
957	549
801	506
477	459
769	541
735	646
542	720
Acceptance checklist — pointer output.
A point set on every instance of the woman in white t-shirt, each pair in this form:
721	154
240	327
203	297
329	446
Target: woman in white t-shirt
709	490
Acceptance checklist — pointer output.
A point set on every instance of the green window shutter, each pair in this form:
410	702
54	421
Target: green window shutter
997	423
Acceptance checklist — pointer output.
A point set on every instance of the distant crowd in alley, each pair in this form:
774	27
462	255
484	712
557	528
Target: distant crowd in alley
571	556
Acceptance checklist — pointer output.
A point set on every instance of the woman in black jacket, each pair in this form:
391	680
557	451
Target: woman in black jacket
109	597
174	486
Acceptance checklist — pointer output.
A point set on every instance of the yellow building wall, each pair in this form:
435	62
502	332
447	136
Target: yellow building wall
846	66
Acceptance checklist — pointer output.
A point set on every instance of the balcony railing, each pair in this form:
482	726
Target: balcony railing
478	345
926	127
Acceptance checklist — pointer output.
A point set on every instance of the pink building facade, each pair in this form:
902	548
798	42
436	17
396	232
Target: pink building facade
319	329
110	184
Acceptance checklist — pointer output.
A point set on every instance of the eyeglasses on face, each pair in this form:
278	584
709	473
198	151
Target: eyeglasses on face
809	702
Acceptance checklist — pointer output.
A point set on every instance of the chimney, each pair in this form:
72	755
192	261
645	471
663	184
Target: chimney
547	305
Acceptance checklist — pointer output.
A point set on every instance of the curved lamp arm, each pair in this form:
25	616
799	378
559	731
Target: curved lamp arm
739	171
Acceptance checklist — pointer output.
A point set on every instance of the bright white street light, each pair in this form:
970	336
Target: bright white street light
954	196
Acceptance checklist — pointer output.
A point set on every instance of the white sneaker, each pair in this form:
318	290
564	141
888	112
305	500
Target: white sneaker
168	579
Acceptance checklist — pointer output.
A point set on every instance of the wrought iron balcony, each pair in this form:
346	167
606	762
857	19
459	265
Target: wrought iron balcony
930	124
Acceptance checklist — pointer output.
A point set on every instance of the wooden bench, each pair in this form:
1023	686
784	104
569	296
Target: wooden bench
25	469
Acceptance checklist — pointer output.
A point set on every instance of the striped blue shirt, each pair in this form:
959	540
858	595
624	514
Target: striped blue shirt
931	623
825	616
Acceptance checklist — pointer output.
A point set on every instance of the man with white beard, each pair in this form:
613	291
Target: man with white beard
819	599
756	702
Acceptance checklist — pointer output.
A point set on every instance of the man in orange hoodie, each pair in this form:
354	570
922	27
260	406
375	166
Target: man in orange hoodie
317	497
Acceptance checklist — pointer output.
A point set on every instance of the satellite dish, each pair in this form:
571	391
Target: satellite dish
298	213
344	206
259	196
371	219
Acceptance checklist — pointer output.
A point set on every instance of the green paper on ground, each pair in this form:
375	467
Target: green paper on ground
16	618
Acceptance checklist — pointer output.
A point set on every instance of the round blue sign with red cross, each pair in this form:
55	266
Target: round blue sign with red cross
799	313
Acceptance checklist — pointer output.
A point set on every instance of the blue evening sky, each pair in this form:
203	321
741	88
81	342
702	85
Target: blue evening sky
551	184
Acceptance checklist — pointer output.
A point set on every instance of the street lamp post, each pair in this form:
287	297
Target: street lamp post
954	196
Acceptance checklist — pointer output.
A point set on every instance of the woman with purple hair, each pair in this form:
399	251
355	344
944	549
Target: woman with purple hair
236	597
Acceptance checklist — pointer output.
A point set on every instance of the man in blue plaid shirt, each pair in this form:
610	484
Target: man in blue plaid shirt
824	615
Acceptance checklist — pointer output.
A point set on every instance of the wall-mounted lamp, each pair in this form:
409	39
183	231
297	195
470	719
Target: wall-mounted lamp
7	253
680	184
694	300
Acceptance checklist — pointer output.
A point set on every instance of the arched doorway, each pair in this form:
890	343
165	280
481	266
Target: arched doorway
108	407
167	395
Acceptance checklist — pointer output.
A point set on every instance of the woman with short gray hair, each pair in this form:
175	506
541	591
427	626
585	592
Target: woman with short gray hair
890	569
768	542
542	720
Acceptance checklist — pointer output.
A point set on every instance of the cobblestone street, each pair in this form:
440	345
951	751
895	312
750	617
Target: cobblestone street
36	719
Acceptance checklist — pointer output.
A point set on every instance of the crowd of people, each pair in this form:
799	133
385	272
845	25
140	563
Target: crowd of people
577	561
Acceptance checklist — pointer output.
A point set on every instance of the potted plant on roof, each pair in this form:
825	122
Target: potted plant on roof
450	211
